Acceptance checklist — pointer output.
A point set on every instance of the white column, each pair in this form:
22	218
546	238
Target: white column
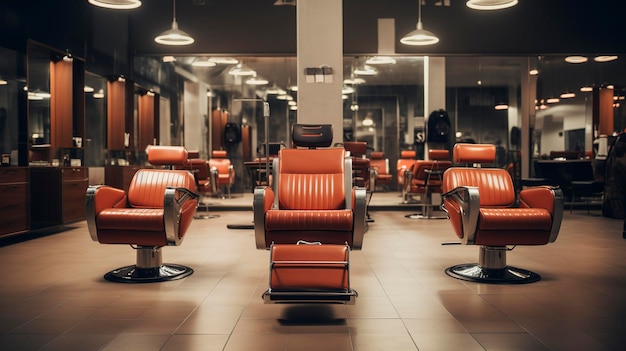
320	43
434	88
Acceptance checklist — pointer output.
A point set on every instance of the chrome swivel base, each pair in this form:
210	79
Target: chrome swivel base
492	268
508	275
149	268
134	274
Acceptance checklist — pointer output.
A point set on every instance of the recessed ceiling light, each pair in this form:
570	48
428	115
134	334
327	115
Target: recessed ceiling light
575	59
605	58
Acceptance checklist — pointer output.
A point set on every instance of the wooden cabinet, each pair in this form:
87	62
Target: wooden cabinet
74	182
14	201
57	195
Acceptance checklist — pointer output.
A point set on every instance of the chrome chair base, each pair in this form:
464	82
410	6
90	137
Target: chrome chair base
476	273
134	274
325	297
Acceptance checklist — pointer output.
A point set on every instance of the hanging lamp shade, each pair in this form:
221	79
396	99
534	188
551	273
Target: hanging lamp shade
419	36
174	36
488	5
117	4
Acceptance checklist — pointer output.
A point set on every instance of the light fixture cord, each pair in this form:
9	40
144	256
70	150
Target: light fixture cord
174	2
419	10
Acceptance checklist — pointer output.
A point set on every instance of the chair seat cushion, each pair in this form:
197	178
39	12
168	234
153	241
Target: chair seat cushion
335	220
144	219
514	219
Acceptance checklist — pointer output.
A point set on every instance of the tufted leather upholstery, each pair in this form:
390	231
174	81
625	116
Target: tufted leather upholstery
222	171
406	160
483	210
380	167
312	199
157	210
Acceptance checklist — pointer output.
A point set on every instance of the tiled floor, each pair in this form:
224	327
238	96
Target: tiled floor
53	296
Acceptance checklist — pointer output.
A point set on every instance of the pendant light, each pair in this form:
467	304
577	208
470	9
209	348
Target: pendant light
174	36
419	36
489	5
117	4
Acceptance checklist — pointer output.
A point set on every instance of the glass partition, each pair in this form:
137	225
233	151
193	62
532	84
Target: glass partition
12	83
96	119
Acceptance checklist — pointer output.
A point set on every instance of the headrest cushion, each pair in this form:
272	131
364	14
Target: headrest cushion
219	154
474	153
312	135
377	155
439	155
409	154
356	148
167	155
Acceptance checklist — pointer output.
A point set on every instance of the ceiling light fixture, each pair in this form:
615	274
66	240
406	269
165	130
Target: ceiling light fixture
419	36
568	95
117	4
488	5
586	89
256	81
605	58
381	60
203	62
174	36
533	72
3	82
365	71
575	59
501	106
241	70
224	60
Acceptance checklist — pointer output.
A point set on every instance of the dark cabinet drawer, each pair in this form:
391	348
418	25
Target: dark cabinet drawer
13	175
74	173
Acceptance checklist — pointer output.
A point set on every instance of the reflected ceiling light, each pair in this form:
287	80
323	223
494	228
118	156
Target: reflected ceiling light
210	93
353	81
344	97
174	36
254	80
553	100
224	60
293	88
381	60
575	59
368	121
241	70
286	97
488	5
568	95
419	36
99	94
117	4
365	71
275	90
533	72
203	62
285	2
501	106
292	103
3	82
605	58
169	58
88	89
586	89
347	90
293	108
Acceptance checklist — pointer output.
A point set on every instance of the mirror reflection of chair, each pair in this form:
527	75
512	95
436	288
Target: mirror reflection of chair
481	204
311	202
156	212
379	170
424	179
406	160
200	169
222	173
360	168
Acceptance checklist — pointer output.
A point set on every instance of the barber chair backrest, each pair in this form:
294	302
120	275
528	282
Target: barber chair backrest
356	148
494	184
311	179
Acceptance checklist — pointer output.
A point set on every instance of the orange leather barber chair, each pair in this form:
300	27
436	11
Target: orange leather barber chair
156	212
379	170
222	172
482	207
406	160
424	179
312	203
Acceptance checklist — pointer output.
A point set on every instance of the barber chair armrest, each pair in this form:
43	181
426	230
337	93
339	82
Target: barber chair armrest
213	176
464	206
261	203
231	174
549	198
107	197
359	206
179	207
